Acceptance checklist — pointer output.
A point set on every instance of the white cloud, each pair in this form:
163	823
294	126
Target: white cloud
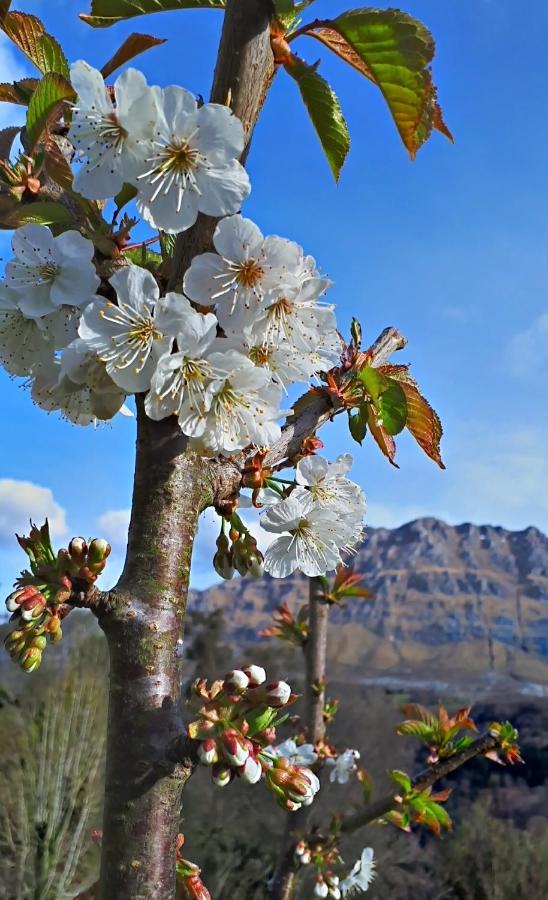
528	351
23	500
113	526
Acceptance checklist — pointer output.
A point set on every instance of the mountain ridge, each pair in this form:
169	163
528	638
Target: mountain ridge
449	601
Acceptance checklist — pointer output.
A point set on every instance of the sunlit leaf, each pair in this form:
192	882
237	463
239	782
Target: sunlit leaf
133	46
384	441
125	196
392	409
357	423
41	213
325	112
28	33
46	101
18	92
394	51
108	12
402	779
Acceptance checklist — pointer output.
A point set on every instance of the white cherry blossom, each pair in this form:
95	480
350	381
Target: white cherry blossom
79	386
245	405
192	163
133	334
297	754
291	316
328	485
182	384
286	364
25	347
312	538
111	136
361	876
245	267
343	766
49	272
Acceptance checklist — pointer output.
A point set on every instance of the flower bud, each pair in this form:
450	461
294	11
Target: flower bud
208	753
33	608
78	548
31	659
335	893
236	681
20	595
99	551
320	888
276	694
251	770
306	858
235	748
333	881
222	563
255	566
256	675
221	774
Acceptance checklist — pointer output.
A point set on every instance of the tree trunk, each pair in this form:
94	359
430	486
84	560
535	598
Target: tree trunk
284	881
144	631
145	617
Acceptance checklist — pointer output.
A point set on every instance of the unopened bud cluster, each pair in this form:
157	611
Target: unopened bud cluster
235	729
323	857
237	552
38	603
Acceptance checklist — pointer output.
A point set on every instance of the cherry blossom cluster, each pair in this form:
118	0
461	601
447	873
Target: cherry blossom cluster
248	323
38	603
325	858
236	729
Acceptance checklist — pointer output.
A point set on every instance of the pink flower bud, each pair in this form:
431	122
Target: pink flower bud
221	774
256	675
252	770
236	681
33	607
208	753
235	748
17	597
277	693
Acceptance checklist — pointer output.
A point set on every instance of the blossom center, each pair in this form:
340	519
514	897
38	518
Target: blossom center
110	128
260	356
249	273
48	271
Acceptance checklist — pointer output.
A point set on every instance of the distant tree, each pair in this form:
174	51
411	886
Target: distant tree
51	781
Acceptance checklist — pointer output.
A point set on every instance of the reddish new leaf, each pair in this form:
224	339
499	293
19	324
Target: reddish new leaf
133	45
56	165
7	137
385	442
18	92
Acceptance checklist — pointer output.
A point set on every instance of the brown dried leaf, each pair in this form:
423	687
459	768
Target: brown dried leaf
133	45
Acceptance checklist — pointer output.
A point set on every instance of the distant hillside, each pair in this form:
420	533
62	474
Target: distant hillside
451	603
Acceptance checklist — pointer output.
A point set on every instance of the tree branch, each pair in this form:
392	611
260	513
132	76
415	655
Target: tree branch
313	411
421	782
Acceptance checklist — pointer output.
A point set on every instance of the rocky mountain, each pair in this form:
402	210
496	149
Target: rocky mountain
450	603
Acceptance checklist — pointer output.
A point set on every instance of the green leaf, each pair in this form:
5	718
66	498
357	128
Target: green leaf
394	51
373	380
41	213
259	719
107	12
125	196
415	729
133	46
392	407
357	423
44	104
28	33
147	259
402	779
18	92
325	112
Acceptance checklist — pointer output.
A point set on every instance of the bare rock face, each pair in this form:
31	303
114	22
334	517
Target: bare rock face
466	600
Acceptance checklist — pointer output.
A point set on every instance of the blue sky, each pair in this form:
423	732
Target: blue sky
450	248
